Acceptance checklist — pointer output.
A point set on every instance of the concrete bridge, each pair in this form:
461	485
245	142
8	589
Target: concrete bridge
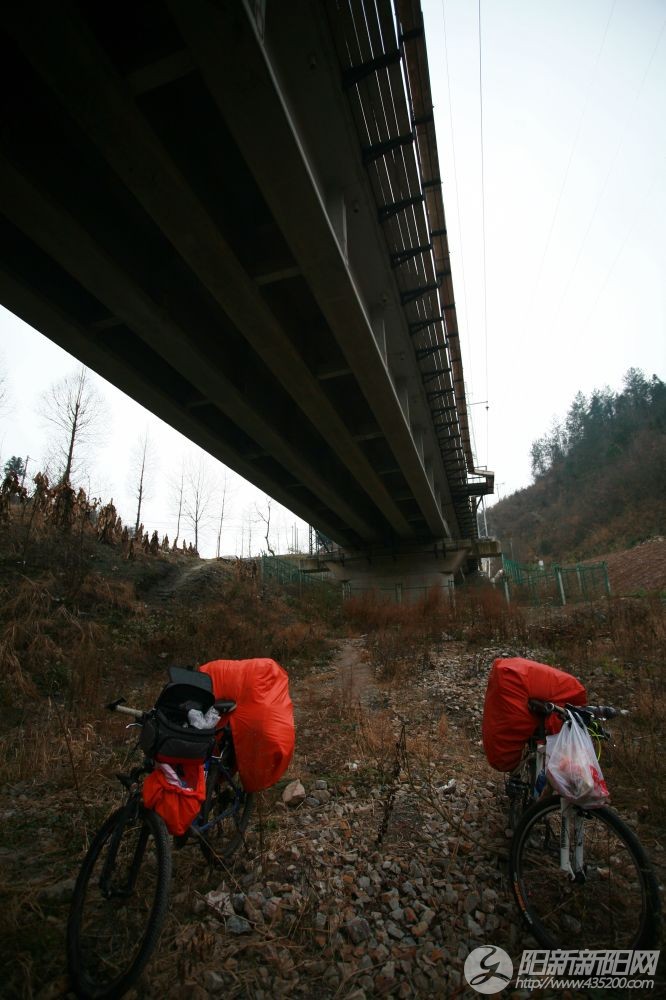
233	211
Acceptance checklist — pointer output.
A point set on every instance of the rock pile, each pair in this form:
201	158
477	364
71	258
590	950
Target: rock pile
328	911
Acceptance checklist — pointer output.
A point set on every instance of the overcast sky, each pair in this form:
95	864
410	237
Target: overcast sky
574	176
565	293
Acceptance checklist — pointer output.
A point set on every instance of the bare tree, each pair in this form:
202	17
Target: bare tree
177	489
246	536
265	517
143	462
223	504
76	409
198	496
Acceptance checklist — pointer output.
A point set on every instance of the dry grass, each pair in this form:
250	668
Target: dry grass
98	593
47	648
616	646
58	754
402	637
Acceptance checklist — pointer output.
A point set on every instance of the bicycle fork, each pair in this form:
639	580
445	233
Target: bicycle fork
569	813
108	890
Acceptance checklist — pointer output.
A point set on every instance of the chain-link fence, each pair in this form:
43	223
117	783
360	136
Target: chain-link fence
397	593
286	572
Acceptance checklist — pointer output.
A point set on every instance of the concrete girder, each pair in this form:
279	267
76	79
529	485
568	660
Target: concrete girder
42	315
261	123
59	234
77	70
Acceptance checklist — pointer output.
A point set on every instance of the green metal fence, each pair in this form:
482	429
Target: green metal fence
398	593
557	584
286	572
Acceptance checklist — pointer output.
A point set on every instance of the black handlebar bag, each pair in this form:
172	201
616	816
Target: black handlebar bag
166	734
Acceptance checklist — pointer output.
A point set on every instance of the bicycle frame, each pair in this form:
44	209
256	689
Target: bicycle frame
577	872
233	809
131	811
570	832
535	758
223	764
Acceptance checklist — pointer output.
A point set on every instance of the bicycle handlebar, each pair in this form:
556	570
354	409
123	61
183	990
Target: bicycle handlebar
118	706
539	707
605	711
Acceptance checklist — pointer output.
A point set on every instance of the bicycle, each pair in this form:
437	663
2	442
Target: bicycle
580	876
121	895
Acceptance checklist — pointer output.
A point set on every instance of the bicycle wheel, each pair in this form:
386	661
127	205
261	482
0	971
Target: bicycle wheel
616	905
224	816
119	904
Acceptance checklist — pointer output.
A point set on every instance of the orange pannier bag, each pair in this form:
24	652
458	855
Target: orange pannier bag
262	725
177	804
507	721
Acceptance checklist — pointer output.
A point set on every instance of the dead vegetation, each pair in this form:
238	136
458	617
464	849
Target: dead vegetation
365	727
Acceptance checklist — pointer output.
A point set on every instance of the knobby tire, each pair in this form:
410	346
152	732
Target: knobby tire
110	938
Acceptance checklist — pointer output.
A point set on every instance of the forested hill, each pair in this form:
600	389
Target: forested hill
599	478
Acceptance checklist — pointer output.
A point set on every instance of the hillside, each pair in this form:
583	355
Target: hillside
599	479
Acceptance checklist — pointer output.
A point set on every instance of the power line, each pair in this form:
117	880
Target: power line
614	160
659	173
583	114
483	230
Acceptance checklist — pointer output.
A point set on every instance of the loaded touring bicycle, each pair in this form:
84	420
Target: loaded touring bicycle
187	785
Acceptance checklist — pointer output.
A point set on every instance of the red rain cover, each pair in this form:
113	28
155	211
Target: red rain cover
263	723
178	807
507	721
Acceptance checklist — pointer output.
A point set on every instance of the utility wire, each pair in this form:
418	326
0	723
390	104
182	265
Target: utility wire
627	236
614	160
574	144
483	233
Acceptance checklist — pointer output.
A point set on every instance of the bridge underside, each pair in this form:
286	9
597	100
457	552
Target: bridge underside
403	576
187	207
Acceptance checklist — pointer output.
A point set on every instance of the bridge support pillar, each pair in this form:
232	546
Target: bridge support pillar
401	577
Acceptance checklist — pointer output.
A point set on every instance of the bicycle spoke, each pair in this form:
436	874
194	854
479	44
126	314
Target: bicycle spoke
604	910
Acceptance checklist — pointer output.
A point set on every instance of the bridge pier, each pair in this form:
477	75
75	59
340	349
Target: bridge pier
403	577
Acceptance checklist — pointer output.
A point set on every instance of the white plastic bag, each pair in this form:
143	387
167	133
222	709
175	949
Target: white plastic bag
573	769
201	721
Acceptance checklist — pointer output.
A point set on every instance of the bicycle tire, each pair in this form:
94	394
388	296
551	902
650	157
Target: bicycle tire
112	931
616	906
229	807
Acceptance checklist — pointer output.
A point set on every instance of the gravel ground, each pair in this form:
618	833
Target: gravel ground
387	869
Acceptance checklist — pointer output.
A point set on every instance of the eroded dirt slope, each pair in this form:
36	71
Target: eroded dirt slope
641	569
